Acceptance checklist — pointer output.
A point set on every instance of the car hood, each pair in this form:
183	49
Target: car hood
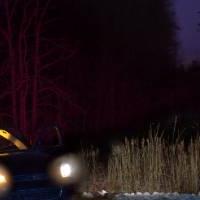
25	162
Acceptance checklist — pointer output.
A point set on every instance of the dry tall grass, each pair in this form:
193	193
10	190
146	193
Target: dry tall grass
150	165
96	173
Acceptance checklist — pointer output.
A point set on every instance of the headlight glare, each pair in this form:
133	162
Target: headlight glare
2	179
65	170
5	180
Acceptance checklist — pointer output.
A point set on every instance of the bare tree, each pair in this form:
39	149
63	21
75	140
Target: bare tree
29	62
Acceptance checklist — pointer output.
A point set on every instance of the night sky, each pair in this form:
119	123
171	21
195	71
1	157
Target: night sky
189	34
187	18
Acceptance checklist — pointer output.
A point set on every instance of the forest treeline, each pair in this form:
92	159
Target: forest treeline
91	65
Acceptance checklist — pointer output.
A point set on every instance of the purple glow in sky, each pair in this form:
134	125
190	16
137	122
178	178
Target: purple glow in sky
189	35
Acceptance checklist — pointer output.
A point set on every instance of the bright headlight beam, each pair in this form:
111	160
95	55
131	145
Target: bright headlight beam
65	170
2	179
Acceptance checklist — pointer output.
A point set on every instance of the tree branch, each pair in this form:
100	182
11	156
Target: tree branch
5	115
57	61
4	34
5	94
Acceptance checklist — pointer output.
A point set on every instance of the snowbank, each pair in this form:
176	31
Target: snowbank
144	196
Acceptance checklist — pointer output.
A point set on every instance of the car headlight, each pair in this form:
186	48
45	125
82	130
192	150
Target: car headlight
66	170
5	180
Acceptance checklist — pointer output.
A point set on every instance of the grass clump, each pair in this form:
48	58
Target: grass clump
149	164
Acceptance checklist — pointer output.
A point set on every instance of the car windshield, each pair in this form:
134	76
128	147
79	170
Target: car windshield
6	145
48	137
9	142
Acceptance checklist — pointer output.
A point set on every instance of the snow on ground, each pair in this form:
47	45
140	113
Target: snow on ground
142	196
157	196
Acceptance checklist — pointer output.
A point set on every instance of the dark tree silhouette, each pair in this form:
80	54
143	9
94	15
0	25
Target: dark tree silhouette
198	25
32	92
130	48
123	72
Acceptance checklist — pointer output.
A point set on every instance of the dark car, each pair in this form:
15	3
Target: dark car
36	172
